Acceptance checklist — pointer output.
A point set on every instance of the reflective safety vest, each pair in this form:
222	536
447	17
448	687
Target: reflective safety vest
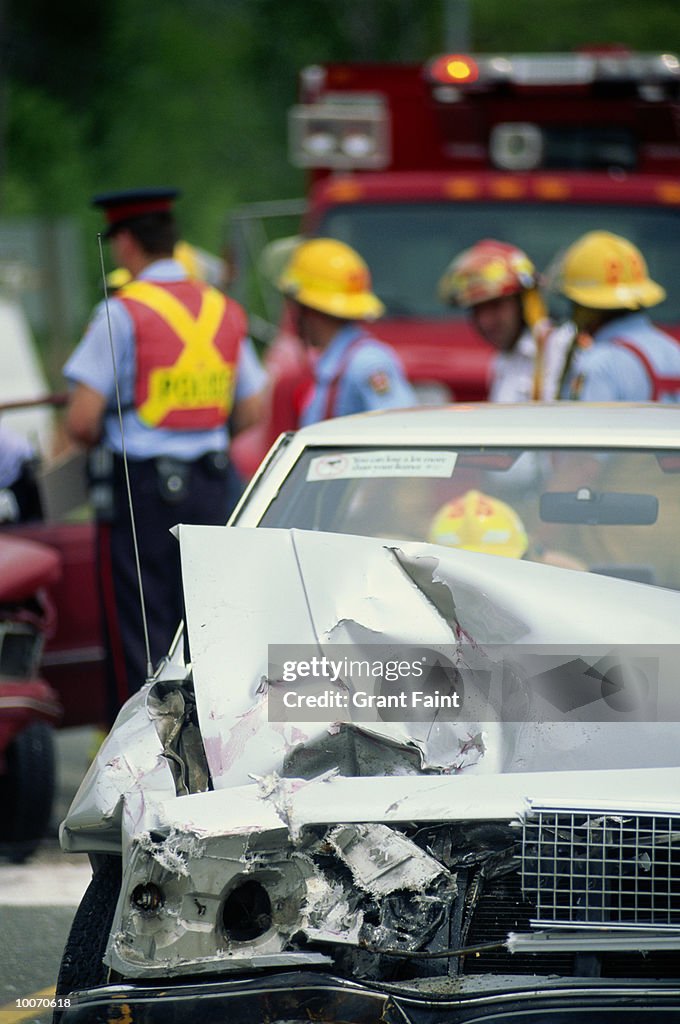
187	342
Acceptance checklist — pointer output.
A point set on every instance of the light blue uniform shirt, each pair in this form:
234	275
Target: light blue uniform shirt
92	364
371	379
606	372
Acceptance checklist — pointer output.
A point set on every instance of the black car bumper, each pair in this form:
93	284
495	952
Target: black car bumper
298	998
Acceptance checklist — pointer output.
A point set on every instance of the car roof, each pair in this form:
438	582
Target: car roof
535	424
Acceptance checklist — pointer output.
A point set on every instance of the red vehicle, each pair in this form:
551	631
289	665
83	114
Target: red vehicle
29	706
72	656
51	647
411	164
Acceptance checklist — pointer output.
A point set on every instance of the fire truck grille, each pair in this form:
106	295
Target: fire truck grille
606	870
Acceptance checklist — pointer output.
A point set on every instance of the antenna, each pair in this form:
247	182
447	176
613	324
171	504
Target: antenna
149	666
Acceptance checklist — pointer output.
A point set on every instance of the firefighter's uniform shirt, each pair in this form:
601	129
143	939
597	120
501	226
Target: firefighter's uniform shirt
512	373
605	371
356	373
177	474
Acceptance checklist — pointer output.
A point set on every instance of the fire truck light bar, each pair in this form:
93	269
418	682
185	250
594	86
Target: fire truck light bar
454	68
552	69
339	133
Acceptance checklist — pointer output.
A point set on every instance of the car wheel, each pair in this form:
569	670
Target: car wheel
81	965
28	790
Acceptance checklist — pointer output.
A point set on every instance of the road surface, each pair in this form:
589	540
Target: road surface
38	900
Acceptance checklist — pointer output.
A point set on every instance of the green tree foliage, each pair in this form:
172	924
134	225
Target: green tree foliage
194	93
186	92
558	25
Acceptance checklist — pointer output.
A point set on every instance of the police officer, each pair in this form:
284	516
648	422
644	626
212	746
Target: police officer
621	355
498	284
329	287
171	348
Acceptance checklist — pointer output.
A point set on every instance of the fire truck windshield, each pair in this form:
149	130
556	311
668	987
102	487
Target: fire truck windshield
408	245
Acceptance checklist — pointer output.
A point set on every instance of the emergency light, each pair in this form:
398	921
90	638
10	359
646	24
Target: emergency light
552	69
453	69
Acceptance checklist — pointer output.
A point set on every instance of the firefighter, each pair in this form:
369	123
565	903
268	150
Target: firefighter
498	284
329	288
475	521
620	355
181	371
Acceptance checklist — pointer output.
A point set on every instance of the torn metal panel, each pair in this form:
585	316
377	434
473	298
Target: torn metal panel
337	800
173	852
280	792
371	600
209	904
234	613
172	707
324	861
467	610
397	895
127	776
382	860
330	914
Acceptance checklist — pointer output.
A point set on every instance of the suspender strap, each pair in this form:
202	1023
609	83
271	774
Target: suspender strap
660	385
334	384
540	332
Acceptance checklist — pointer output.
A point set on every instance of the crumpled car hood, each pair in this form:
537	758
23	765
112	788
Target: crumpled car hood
249	588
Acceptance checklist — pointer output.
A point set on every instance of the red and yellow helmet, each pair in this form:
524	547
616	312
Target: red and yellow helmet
488	270
478	522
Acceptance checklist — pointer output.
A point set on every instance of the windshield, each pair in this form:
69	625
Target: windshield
409	245
613	512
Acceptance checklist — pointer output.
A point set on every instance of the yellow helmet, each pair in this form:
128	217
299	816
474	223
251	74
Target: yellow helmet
331	277
477	522
186	255
604	271
115	279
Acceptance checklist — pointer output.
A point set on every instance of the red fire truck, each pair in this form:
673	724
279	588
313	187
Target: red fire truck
411	164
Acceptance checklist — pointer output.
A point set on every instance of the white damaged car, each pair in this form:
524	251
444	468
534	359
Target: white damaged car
414	757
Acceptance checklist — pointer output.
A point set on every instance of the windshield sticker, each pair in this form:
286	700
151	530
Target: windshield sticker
352	465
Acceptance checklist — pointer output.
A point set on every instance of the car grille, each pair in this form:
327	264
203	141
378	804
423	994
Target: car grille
602	869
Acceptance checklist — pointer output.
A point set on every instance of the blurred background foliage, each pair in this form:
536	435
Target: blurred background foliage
194	93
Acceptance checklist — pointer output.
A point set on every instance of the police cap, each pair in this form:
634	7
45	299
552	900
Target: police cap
121	207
